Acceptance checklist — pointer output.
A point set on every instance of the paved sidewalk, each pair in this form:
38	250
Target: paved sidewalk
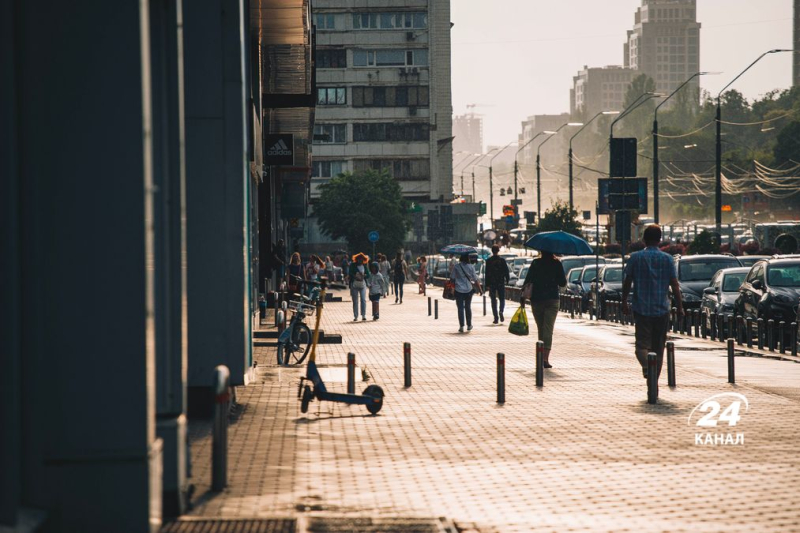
584	453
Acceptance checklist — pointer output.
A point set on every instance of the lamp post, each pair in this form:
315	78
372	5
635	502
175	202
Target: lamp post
656	164
473	177
491	189
570	149
539	166
516	165
718	170
475	164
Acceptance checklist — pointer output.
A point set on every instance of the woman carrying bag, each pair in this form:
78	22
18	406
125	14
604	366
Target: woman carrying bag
545	276
466	282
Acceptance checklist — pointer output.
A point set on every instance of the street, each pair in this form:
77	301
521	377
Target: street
584	453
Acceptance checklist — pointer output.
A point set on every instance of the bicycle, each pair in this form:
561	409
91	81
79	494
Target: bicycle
295	341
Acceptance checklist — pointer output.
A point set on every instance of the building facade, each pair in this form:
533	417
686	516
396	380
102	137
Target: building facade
468	132
599	89
665	43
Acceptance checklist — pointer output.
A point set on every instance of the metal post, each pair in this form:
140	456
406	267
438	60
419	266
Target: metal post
436	309
730	326
572	307
760	335
781	337
671	364
771	335
219	446
793	338
696	318
429	305
721	333
731	368
713	334
539	363
406	364
484	304
652	378
351	373
501	378
739	327
748	332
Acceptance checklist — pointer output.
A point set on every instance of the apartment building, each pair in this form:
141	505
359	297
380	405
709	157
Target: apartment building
468	132
599	89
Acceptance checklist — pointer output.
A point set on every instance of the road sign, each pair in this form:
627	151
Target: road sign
727	208
373	236
622	193
623	157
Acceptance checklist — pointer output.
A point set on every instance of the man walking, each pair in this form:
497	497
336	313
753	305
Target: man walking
652	273
497	277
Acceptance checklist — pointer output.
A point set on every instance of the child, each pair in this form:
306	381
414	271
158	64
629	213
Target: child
375	290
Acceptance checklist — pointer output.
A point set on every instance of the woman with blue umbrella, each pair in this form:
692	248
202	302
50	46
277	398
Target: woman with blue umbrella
545	276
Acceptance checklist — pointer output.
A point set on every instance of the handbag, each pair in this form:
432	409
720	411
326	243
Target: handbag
358	281
449	292
519	323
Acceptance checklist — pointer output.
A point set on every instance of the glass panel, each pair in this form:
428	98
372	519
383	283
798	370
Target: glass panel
321	96
331	22
390	58
401	96
784	276
356	21
423	96
341	97
420	57
420	20
387	20
379	96
359	58
733	282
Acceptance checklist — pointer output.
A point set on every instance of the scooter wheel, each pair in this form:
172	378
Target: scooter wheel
375	392
307	397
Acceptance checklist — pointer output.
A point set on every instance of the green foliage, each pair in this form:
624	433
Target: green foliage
787	146
705	243
641	84
352	205
559	217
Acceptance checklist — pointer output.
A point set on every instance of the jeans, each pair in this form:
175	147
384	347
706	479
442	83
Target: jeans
359	295
651	336
398	286
495	293
464	306
545	313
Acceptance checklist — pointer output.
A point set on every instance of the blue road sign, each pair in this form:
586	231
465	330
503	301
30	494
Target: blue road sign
373	236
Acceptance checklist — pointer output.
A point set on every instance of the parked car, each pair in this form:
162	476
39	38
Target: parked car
695	272
771	290
574	261
573	276
521	279
750	260
520	262
584	284
720	296
608	284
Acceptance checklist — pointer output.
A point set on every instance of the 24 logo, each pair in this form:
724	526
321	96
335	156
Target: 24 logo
712	407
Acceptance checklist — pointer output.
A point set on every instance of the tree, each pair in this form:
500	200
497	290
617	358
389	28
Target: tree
787	147
559	217
705	243
641	84
352	205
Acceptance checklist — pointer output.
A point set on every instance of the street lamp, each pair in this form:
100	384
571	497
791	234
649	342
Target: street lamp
570	149
655	140
473	177
475	164
491	190
516	166
539	166
718	171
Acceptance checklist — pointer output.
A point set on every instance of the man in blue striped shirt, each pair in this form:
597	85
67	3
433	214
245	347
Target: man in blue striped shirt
651	272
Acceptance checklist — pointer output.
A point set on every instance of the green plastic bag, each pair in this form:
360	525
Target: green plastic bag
519	323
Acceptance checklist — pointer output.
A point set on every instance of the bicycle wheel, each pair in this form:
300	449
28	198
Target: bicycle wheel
297	348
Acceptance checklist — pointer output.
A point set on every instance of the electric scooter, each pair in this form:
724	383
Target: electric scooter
372	397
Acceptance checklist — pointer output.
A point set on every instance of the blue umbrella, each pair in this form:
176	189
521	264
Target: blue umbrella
459	249
559	242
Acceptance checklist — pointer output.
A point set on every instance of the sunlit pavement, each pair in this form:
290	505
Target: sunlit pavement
584	453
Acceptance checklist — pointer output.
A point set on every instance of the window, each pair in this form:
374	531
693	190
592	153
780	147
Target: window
331	96
402	96
330	133
390	58
331	58
390	21
327	169
387	132
325	21
399	169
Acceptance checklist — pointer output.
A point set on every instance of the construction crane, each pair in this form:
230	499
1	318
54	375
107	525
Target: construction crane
471	108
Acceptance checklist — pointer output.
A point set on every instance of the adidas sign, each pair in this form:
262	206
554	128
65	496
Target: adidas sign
279	148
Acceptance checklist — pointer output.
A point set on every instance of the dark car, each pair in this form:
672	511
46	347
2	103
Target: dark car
720	296
695	272
750	260
572	279
771	290
583	285
608	286
568	262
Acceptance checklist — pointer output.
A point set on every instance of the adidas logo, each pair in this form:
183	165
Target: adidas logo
279	148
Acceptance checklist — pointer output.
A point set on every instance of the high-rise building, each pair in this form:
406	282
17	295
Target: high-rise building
383	94
599	89
468	132
665	42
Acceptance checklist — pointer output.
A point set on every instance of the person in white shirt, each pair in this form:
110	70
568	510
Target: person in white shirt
376	286
466	281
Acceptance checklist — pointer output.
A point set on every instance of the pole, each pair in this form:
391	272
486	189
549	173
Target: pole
473	185
652	378
539	364
406	364
671	364
501	378
569	156
429	305
596	258
219	446
538	187
655	170
351	373
731	368
491	198
436	309
718	173
516	205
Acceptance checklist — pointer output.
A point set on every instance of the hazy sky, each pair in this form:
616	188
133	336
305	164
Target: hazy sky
518	56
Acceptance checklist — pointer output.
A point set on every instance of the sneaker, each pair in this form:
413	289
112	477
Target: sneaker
547	365
644	372
461	329
495	321
469	328
363	318
401	300
355	319
396	300
502	318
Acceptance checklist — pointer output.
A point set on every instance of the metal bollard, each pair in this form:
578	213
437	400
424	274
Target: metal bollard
781	336
696	318
721	336
429	306
739	330
572	307
436	309
793	338
277	306
406	364
671	364
731	368
484	304
713	333
704	329
539	363
219	447
351	373
652	378
501	378
771	335
760	333
748	332
730	326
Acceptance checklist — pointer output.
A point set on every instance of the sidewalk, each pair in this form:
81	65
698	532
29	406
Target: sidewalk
584	453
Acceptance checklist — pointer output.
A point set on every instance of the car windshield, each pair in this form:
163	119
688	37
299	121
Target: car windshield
588	274
784	275
732	282
574	274
704	270
612	274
